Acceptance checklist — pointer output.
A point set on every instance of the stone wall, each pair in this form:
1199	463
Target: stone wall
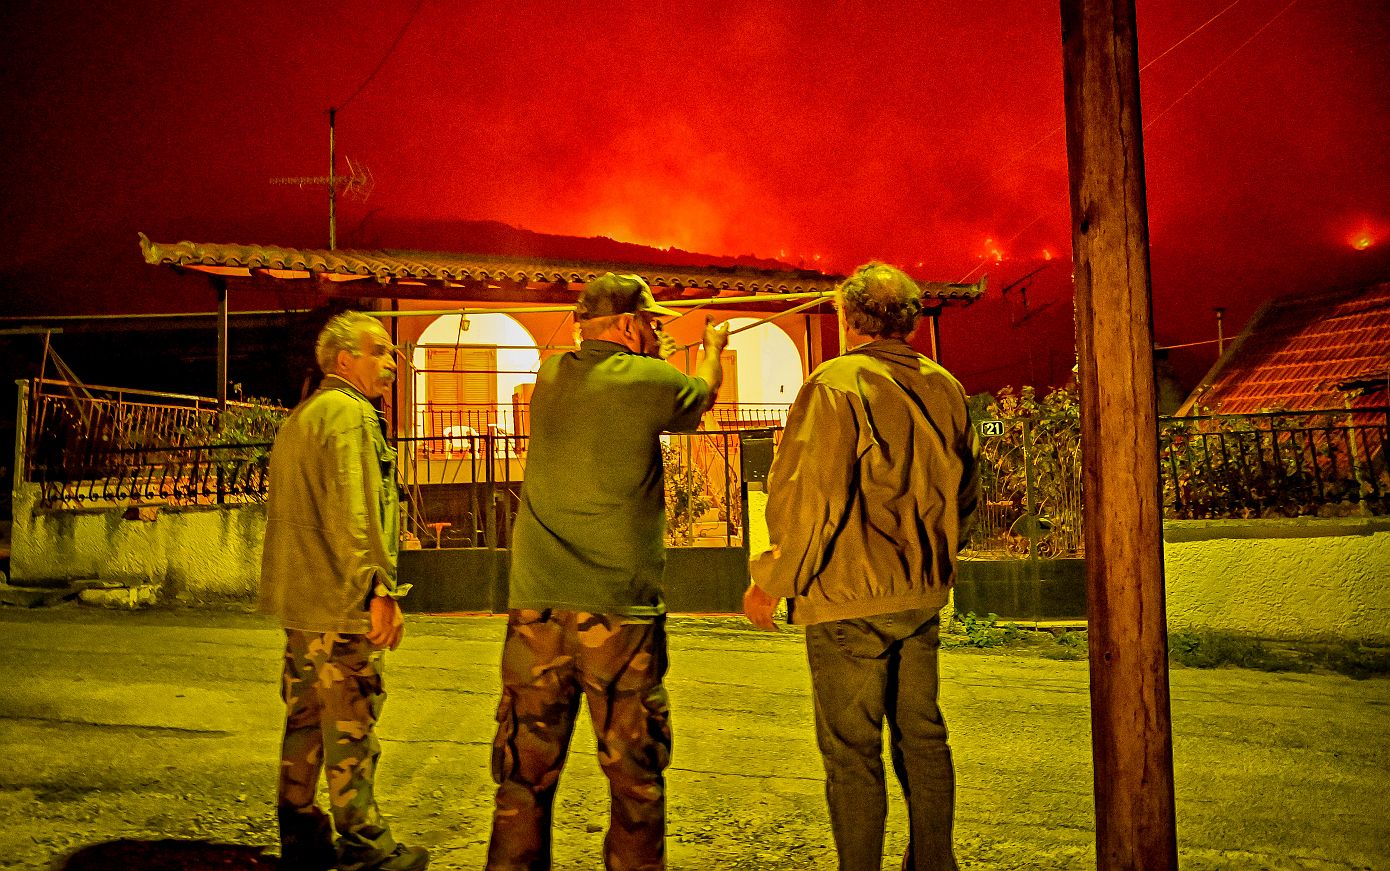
190	554
1307	578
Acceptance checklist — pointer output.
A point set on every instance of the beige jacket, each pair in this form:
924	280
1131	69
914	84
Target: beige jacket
872	489
333	517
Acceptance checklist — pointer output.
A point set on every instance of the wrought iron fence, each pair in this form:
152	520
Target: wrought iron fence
467	493
733	415
84	444
455	427
1275	464
1030	488
186	475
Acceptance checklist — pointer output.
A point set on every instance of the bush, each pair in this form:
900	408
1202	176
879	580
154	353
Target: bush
985	632
1214	649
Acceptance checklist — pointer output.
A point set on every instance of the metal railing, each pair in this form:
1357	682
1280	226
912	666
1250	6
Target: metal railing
1271	464
1276	464
85	444
187	475
448	427
467	494
453	428
738	416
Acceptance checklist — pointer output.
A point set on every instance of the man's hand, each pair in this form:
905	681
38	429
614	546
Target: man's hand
668	345
388	624
716	336
758	607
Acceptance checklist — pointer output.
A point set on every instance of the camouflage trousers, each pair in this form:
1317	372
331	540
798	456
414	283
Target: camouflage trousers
333	692
549	660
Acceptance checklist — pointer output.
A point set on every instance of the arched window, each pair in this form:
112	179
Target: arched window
763	366
468	380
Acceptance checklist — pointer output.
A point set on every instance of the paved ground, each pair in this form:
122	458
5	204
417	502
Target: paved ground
163	725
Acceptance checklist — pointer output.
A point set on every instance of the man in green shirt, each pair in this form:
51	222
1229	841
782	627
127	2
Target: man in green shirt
586	610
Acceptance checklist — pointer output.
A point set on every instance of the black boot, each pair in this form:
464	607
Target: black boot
306	840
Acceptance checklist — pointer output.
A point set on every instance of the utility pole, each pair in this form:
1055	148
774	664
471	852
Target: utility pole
1131	731
1220	330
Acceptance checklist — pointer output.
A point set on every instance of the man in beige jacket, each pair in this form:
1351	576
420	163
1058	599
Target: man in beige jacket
869	499
328	574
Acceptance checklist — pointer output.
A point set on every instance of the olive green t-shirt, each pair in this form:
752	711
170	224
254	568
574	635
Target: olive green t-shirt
589	533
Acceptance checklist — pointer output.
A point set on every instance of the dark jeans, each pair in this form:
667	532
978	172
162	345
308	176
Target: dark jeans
862	672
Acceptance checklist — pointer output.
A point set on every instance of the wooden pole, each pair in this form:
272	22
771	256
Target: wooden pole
1131	734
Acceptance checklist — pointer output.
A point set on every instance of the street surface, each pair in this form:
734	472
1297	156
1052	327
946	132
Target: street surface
164	725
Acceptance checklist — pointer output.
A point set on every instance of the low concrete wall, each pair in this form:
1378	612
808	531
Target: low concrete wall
191	554
697	579
1022	590
1308	578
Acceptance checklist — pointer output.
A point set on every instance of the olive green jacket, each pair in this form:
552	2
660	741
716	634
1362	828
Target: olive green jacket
872	489
332	518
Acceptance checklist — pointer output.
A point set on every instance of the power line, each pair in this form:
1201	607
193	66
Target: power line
1060	127
1152	121
1148	122
385	57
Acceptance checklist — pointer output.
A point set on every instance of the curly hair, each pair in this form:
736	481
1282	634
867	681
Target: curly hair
880	300
343	332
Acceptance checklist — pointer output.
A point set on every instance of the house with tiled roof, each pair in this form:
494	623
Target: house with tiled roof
1310	351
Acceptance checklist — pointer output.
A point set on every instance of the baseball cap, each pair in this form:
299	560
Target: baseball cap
611	294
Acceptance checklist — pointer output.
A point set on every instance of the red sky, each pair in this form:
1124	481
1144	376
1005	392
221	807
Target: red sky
924	132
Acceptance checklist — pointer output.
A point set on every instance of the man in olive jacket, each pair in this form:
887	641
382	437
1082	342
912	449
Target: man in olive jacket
328	574
869	499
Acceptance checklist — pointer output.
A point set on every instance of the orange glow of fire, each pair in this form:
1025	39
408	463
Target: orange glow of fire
1361	241
992	251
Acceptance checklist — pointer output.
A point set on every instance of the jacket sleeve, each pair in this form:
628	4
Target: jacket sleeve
808	490
355	495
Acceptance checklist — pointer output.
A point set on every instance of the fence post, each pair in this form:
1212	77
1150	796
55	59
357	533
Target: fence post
490	479
21	436
1030	489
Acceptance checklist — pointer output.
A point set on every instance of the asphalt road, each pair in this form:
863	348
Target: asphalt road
164	725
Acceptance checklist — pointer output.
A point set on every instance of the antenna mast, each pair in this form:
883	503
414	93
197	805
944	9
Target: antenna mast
357	184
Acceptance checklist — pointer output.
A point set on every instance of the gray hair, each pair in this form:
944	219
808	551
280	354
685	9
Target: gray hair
880	300
343	332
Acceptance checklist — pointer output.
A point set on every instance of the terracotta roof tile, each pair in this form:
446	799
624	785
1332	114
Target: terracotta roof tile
387	266
1306	352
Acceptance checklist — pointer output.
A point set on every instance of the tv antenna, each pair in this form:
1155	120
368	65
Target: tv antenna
357	184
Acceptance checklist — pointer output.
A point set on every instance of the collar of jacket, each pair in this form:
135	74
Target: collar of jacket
896	349
603	346
338	382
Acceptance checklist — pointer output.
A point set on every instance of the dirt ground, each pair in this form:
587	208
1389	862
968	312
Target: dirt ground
147	740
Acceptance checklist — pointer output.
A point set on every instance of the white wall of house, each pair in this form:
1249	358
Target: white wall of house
1307	578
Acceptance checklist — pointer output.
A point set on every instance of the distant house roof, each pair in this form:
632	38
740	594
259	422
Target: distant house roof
444	275
1310	351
